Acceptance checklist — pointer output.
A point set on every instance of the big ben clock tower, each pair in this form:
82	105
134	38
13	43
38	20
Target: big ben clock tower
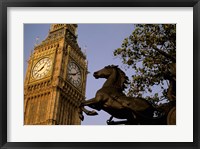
55	79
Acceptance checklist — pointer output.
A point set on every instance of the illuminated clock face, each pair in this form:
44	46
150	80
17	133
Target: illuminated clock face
41	68
74	74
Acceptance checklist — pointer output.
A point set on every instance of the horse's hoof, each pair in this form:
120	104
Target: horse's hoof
81	117
93	112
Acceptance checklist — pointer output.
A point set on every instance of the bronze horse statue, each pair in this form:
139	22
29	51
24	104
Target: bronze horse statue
111	99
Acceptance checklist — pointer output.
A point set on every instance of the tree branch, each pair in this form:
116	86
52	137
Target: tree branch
165	54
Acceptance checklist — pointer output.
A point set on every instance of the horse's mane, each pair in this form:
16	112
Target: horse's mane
122	80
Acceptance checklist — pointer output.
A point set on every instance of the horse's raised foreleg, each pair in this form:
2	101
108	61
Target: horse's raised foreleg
92	103
89	112
89	103
82	109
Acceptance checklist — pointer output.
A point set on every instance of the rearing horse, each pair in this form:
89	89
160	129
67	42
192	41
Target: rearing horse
111	99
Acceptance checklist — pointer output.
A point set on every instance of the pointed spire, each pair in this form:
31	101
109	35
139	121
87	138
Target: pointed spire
85	50
37	40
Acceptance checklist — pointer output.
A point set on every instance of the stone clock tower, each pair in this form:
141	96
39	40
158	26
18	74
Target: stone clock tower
55	79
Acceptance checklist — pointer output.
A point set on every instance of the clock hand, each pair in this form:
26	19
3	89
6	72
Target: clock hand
41	68
45	63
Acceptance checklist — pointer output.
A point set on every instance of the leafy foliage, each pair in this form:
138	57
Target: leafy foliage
151	52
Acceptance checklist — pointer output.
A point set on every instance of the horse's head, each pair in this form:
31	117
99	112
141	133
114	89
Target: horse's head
115	76
105	72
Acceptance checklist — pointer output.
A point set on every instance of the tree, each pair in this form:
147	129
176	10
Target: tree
150	51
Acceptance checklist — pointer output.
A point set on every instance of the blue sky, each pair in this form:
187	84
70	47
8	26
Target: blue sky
99	40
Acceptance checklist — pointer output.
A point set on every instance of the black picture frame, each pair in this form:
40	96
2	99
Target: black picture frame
4	4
